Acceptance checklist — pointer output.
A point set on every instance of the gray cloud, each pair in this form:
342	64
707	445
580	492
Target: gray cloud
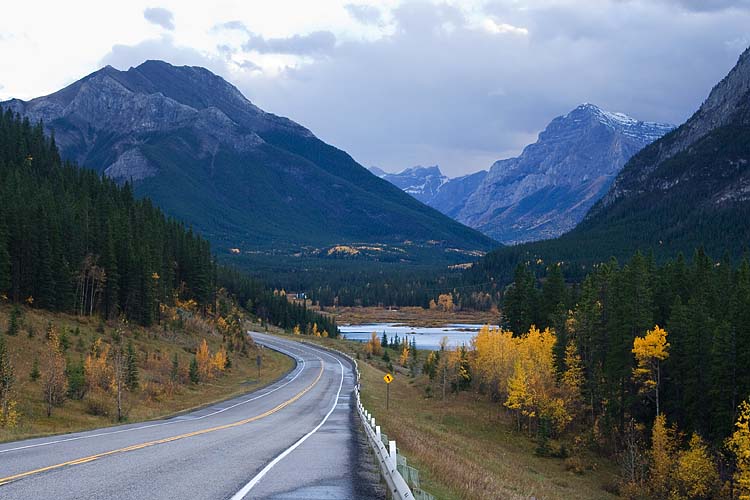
159	16
710	5
125	56
438	89
317	42
365	14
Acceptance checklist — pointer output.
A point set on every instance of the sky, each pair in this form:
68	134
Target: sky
398	83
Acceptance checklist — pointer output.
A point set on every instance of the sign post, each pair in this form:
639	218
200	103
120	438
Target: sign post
388	379
259	361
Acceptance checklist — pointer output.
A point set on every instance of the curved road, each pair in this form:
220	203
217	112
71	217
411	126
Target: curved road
292	439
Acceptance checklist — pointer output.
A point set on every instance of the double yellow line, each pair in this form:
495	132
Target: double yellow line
90	458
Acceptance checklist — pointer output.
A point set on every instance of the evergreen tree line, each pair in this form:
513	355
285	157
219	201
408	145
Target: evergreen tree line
76	242
273	307
703	304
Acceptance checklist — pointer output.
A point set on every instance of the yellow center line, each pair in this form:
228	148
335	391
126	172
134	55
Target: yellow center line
90	458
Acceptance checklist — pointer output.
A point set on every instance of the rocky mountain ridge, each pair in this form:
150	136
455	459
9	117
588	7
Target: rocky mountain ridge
247	179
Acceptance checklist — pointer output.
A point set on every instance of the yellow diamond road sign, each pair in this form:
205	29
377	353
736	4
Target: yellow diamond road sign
388	378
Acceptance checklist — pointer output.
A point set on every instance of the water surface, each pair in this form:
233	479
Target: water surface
426	337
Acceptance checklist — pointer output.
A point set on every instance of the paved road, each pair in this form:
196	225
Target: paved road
293	439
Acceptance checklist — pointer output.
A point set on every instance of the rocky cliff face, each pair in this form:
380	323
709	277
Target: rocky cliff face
548	189
422	183
728	103
245	178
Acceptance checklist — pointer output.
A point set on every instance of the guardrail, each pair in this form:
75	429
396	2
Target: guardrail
397	473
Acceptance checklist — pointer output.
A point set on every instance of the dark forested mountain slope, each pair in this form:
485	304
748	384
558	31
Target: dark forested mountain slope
245	178
690	188
74	241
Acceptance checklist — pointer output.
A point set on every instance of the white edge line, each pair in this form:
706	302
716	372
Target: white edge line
172	420
254	481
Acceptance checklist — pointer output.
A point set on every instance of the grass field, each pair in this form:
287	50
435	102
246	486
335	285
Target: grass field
467	447
412	316
155	349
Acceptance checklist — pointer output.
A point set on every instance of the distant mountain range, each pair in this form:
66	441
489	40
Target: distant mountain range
546	190
687	190
256	184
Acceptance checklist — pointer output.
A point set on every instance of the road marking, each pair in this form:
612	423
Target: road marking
246	489
134	447
173	420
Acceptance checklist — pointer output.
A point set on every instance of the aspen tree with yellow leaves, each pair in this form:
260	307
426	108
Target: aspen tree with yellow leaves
519	396
650	350
404	358
695	475
663	447
54	381
739	444
203	360
373	347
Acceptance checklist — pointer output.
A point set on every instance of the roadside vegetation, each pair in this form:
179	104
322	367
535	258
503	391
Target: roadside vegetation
61	373
633	384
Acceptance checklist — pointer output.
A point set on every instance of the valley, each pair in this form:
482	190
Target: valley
204	293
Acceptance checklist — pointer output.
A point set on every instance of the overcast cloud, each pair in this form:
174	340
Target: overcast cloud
160	17
459	84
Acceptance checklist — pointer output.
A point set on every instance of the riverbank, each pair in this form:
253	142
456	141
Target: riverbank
411	316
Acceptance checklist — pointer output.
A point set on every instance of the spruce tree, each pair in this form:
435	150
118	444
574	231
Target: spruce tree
194	375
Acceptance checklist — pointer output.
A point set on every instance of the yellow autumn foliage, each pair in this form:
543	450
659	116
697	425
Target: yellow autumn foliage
203	359
739	444
695	475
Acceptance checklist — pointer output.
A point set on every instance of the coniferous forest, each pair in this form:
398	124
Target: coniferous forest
704	306
74	241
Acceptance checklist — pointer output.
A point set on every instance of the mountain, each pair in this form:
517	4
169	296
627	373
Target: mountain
548	189
257	185
452	196
420	182
431	187
689	189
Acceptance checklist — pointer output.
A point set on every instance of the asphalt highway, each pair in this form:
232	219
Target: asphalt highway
295	439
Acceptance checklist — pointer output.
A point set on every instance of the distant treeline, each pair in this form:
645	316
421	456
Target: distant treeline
273	307
703	304
76	242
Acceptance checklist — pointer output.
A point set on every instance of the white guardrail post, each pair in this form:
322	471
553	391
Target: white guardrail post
397	486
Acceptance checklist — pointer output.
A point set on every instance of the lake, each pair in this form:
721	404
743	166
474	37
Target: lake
425	337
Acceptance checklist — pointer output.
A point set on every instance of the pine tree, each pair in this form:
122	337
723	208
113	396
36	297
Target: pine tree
194	373
35	373
4	258
14	321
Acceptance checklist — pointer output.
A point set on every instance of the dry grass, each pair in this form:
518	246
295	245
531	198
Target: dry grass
467	447
155	398
412	316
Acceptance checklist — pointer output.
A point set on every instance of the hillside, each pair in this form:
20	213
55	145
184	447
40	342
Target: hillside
75	242
689	189
163	387
245	179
